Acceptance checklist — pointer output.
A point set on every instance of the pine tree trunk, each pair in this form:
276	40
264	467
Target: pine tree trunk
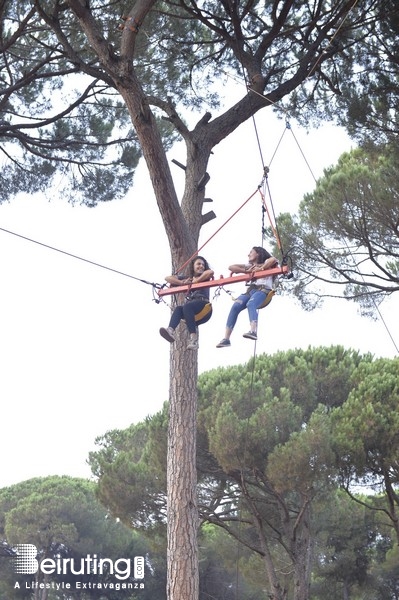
303	557
182	580
182	226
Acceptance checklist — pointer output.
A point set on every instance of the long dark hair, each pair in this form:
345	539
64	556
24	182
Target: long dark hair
262	254
191	265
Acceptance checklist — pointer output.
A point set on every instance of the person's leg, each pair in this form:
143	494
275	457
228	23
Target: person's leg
190	310
205	309
256	300
168	333
176	317
235	310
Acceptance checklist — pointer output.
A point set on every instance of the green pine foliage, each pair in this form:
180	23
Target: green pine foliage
276	439
344	238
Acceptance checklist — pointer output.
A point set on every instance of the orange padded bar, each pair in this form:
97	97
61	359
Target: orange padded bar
178	289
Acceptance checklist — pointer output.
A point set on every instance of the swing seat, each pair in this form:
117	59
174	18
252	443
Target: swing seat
268	299
203	312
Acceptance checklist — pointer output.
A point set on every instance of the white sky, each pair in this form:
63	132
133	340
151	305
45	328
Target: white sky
80	351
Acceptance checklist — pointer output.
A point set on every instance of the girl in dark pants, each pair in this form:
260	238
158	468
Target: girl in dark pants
197	304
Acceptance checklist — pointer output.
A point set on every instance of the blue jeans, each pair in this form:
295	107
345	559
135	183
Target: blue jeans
252	301
187	312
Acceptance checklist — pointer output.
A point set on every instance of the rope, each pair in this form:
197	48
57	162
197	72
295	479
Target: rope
386	326
216	232
91	262
242	471
301	151
287	126
274	226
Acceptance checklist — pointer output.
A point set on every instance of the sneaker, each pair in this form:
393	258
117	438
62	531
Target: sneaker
223	344
193	345
168	334
251	335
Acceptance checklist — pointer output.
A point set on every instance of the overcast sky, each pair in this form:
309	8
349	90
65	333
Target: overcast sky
80	351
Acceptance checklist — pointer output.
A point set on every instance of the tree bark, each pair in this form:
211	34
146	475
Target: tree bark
182	228
182	514
182	563
303	550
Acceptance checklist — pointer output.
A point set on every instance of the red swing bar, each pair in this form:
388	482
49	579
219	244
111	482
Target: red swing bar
177	289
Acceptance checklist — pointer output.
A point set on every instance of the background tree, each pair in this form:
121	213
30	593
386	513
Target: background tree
368	103
264	461
359	252
62	518
386	574
345	238
58	126
278	46
60	107
131	469
365	431
227	572
363	100
345	549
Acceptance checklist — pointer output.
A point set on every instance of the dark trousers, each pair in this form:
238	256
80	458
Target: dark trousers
187	312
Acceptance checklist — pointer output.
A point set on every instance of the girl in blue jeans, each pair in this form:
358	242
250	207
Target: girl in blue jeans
258	260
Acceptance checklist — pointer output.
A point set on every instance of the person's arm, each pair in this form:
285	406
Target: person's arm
238	268
174	280
208	274
268	264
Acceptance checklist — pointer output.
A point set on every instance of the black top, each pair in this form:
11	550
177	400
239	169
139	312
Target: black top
201	294
196	294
